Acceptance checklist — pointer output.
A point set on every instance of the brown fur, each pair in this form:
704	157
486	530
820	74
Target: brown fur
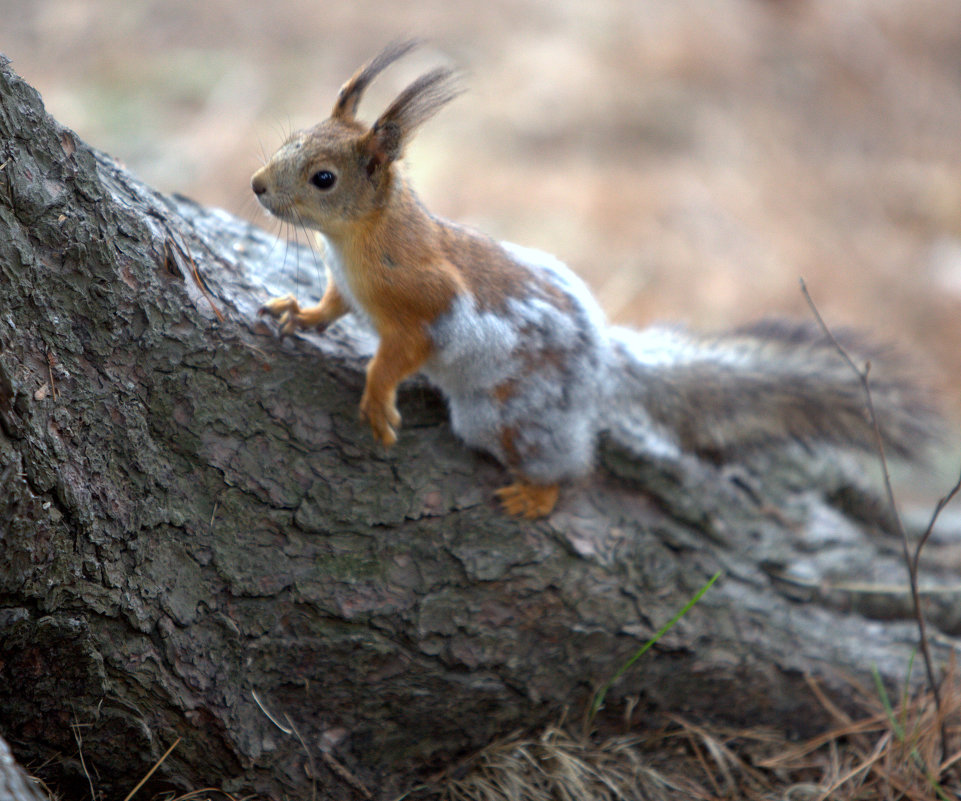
405	268
509	446
376	223
490	276
504	392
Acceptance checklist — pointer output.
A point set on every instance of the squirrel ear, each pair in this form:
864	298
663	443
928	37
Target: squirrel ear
385	141
351	92
382	145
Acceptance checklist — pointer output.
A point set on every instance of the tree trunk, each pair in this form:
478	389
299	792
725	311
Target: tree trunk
193	519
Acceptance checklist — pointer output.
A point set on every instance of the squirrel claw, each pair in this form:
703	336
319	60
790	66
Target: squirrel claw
529	501
383	433
285	311
290	318
278	307
288	325
387	438
384	420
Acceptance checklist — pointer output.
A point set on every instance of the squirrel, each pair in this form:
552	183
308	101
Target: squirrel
531	371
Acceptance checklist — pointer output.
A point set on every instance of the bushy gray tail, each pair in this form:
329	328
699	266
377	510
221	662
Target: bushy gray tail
754	386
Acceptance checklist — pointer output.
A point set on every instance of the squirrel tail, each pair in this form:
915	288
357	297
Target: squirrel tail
774	381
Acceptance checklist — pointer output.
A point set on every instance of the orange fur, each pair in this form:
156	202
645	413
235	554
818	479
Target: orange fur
401	352
401	265
402	285
529	501
405	269
393	271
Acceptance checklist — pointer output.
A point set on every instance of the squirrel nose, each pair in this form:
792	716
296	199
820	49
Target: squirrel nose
258	184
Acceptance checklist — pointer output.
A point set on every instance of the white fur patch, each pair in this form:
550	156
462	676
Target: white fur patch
523	382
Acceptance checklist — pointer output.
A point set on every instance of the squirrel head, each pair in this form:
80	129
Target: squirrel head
338	172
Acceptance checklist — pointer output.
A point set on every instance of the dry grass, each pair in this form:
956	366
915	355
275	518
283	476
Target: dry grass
886	753
205	794
892	752
558	766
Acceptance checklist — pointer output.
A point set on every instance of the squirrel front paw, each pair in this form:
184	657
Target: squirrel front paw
286	310
291	317
383	417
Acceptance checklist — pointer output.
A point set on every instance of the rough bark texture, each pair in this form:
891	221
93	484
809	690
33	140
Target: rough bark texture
192	514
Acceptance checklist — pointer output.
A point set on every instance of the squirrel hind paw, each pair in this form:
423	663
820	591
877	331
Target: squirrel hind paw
384	420
530	501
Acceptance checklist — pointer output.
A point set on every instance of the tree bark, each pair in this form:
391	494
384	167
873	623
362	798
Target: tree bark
198	531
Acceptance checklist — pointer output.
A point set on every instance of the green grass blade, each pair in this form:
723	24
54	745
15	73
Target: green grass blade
602	692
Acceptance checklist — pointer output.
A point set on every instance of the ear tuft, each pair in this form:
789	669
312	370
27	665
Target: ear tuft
345	108
415	105
422	99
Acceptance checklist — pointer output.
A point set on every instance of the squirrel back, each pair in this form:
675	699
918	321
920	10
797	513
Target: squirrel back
531	371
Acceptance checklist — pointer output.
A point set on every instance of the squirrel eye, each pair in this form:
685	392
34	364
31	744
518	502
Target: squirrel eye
323	179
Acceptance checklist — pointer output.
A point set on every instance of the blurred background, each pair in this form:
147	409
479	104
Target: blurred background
690	158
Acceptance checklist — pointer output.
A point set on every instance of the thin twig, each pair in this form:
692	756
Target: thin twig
939	507
195	272
75	727
910	562
310	757
176	249
150	772
342	772
944	501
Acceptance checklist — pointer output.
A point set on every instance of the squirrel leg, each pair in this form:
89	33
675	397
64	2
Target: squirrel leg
399	354
287	310
529	501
